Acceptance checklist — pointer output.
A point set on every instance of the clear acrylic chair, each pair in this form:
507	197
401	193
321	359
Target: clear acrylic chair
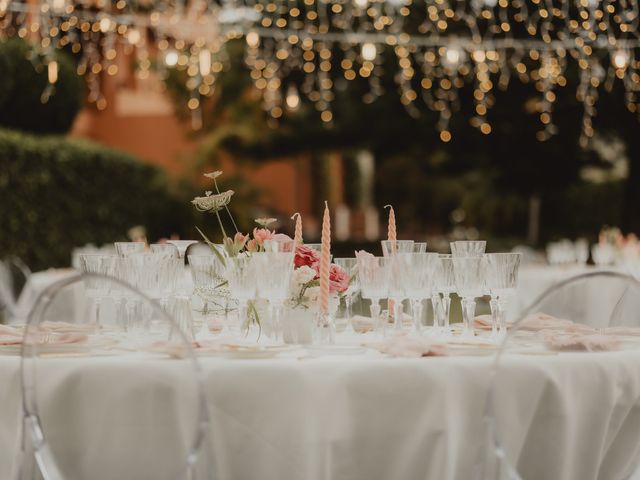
109	400
14	274
596	313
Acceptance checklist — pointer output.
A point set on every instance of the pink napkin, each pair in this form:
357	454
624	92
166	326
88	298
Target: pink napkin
10	335
362	324
579	342
541	321
404	346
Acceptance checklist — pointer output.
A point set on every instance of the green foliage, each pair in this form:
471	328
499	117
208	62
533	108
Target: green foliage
58	194
22	84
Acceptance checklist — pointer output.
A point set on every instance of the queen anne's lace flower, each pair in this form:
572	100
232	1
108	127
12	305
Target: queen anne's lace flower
213	175
213	203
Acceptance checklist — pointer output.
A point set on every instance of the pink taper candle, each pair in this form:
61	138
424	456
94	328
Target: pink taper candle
391	229
391	236
325	261
297	237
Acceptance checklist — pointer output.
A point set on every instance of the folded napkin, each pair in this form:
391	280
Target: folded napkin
362	324
484	322
624	331
579	342
541	321
405	346
10	335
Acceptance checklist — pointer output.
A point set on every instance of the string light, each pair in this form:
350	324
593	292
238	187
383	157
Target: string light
438	47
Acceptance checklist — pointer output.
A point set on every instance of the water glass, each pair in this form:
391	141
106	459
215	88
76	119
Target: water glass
391	247
444	286
97	288
420	277
165	248
349	265
207	272
274	269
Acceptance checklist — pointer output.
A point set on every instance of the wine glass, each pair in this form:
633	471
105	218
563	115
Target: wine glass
182	245
374	283
274	270
444	285
241	277
165	248
391	247
349	265
124	249
207	272
419	274
468	248
419	247
469	277
502	279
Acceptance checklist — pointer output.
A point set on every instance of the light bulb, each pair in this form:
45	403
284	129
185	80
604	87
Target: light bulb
253	39
171	58
293	99
621	59
133	35
361	3
52	71
369	51
105	25
204	59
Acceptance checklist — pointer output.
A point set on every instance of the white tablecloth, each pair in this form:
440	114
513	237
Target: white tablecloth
363	417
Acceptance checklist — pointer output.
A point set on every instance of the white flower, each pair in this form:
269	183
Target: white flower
265	222
213	203
303	275
213	175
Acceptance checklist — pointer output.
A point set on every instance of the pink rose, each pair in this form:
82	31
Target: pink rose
306	256
262	234
338	279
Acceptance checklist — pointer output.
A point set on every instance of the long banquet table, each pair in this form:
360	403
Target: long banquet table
356	417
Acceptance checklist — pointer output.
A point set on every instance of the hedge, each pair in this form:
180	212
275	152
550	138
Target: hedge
22	83
58	193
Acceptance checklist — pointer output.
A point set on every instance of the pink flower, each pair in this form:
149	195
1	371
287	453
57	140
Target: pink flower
338	279
306	256
363	254
252	246
240	240
262	234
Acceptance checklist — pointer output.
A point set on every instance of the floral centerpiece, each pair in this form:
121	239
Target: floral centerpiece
305	283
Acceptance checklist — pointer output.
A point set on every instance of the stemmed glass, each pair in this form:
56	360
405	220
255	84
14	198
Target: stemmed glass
502	278
124	249
241	277
468	248
182	245
469	277
208	275
419	275
397	266
97	288
349	265
275	266
374	283
391	247
444	285
166	248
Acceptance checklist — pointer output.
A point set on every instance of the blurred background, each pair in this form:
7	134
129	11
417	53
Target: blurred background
84	162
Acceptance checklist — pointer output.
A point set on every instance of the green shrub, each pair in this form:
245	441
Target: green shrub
22	84
57	194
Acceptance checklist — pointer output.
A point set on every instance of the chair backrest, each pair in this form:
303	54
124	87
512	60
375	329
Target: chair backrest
102	400
14	274
564	398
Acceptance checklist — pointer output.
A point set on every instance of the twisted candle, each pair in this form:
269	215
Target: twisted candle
297	236
391	228
325	261
391	236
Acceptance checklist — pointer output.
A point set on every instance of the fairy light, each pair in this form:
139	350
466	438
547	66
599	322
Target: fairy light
445	45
